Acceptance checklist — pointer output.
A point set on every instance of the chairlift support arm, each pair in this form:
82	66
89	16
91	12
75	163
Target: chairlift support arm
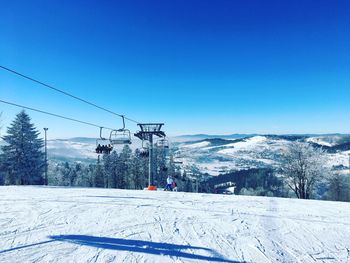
101	134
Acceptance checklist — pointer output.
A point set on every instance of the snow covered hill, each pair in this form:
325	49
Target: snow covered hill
217	155
52	224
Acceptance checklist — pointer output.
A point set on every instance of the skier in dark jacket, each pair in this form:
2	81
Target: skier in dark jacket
109	148
98	148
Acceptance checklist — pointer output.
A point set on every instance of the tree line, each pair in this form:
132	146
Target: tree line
124	170
303	171
22	163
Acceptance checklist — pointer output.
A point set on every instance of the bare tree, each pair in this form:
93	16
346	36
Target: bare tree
303	166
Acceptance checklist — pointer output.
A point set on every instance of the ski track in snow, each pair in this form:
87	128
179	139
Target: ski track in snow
56	224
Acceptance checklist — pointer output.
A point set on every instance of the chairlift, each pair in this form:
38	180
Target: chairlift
162	143
120	136
144	152
102	145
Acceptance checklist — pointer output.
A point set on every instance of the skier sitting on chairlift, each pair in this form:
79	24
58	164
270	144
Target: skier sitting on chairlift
99	148
109	148
104	149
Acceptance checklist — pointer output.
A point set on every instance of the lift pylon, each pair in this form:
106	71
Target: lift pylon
146	133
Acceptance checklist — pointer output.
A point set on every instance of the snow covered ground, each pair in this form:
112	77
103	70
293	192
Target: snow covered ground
47	224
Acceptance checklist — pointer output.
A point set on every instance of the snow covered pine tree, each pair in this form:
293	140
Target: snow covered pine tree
22	154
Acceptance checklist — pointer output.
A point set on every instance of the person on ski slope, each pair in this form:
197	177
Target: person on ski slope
169	182
174	185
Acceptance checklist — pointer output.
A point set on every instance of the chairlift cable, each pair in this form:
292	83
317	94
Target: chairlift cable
55	115
66	93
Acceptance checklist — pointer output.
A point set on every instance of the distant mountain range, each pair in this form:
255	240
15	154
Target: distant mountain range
217	154
193	137
243	135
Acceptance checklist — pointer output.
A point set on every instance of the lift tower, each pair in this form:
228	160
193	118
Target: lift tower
147	130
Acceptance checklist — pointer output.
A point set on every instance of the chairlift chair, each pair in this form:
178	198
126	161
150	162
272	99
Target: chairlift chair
163	143
144	152
120	136
101	144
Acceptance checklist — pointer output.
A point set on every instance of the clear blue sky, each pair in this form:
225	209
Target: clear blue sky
200	66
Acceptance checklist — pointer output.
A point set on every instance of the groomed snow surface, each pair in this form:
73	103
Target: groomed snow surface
48	224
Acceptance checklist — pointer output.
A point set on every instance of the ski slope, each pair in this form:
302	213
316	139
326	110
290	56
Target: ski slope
53	224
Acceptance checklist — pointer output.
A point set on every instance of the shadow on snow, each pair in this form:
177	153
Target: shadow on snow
26	246
140	246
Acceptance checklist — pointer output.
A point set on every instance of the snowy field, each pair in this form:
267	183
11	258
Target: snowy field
39	224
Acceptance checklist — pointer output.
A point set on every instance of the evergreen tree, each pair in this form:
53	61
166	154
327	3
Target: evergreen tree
110	164
74	174
54	174
65	172
161	166
99	175
139	170
86	176
23	159
339	187
124	168
2	174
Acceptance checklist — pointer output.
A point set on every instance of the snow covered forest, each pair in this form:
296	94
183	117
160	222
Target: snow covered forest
302	173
